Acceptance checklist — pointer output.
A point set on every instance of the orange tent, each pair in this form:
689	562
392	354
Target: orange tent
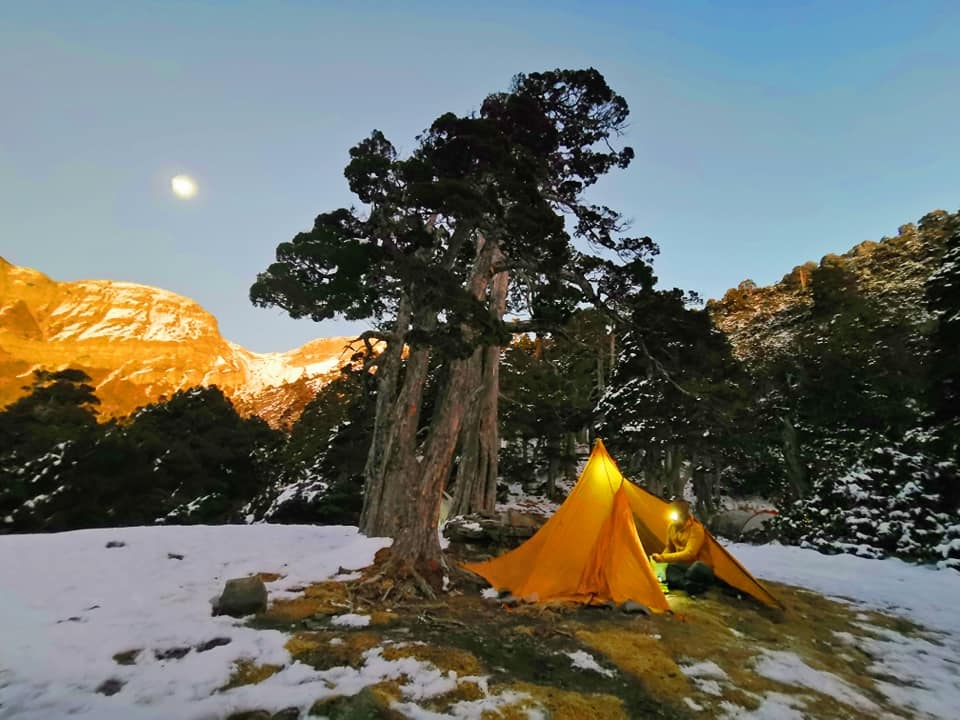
595	547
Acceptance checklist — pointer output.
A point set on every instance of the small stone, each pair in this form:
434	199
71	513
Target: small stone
635	608
174	556
127	657
290	713
510	601
242	596
211	644
116	544
110	687
171	653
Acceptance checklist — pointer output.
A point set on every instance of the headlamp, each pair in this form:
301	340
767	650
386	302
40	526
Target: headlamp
674	515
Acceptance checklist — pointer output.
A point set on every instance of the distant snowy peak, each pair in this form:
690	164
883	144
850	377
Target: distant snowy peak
140	343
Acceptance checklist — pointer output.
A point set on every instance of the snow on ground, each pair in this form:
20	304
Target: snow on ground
68	603
351	620
921	670
789	669
774	706
705	676
586	661
924	594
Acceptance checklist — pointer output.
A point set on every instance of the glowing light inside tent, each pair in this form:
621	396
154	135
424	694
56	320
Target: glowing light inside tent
674	516
183	186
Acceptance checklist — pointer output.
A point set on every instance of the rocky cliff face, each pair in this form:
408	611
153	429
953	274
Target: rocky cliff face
761	322
139	344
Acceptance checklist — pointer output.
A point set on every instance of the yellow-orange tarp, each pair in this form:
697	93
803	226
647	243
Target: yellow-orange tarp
591	551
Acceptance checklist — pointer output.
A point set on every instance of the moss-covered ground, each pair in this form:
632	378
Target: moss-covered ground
643	663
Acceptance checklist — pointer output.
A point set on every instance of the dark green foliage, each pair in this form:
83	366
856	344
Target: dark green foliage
504	177
207	458
60	406
548	388
40	434
677	396
321	475
189	459
892	502
859	431
943	299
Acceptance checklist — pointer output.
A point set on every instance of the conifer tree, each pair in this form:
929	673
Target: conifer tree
677	397
479	196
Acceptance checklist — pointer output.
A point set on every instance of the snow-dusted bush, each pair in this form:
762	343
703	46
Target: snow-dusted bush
891	503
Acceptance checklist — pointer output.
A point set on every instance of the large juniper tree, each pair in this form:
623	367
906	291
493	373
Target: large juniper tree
501	191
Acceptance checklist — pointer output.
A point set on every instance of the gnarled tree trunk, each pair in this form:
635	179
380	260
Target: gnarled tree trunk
413	471
375	517
476	484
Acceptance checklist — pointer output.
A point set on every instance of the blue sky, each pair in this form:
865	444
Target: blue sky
767	134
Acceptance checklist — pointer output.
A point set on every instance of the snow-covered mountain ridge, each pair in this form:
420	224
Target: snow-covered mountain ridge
140	343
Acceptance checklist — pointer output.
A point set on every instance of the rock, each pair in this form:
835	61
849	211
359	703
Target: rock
174	556
634	608
501	529
365	705
211	644
110	687
290	713
116	544
149	343
510	601
171	653
242	596
127	657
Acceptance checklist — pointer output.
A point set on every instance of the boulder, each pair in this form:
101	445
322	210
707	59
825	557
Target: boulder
242	596
507	529
634	608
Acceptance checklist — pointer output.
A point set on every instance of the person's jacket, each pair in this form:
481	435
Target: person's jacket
685	544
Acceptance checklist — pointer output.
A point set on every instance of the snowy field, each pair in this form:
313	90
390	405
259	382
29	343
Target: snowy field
69	603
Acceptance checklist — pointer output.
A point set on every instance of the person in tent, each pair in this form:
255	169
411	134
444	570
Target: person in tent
688	562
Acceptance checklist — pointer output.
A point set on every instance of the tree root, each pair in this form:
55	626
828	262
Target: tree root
402	582
423	585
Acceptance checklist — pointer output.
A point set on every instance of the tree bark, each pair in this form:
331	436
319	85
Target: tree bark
372	520
415	473
380	516
796	473
476	483
398	413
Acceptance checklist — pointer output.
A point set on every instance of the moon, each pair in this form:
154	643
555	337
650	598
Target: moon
183	186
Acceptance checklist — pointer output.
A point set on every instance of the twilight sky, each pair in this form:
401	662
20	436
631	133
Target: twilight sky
767	133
